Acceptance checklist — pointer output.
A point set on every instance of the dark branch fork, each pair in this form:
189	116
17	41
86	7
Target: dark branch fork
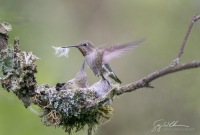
174	67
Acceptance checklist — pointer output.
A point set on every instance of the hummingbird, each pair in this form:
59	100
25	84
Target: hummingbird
79	81
98	58
101	88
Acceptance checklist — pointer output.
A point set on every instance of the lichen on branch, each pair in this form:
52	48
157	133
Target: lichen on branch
18	69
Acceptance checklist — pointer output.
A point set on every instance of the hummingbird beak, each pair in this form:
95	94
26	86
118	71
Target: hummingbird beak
83	66
70	46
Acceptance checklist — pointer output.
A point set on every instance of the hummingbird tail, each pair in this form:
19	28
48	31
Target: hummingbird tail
111	74
114	77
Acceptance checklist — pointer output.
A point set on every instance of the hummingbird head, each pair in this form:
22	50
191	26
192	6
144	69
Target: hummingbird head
85	47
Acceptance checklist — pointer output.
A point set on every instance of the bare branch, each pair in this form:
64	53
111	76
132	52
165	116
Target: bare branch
177	59
145	82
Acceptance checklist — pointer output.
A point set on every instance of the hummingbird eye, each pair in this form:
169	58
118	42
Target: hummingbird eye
84	44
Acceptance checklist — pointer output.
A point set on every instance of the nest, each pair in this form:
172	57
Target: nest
72	109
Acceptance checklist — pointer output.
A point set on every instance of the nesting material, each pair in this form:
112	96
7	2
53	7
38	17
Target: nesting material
59	51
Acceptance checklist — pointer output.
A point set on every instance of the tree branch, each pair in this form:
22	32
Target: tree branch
145	82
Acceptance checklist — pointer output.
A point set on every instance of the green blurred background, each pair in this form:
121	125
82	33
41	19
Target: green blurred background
41	24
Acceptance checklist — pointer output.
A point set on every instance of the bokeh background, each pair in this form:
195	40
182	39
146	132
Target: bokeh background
41	24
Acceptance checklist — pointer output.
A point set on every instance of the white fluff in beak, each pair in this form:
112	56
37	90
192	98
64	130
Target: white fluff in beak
59	51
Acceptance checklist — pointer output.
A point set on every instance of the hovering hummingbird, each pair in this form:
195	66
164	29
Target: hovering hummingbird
101	88
98	58
79	81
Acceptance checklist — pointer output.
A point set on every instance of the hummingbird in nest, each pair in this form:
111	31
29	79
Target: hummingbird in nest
101	88
98	58
79	81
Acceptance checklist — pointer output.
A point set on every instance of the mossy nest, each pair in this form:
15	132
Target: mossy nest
72	109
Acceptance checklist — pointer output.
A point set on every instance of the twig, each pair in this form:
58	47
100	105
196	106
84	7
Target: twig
177	59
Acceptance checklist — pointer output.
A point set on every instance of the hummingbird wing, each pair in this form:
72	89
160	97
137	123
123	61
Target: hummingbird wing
118	50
